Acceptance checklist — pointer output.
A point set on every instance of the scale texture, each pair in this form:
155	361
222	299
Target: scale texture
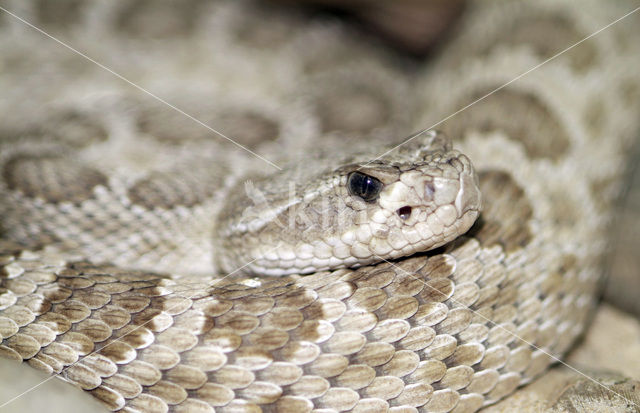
147	328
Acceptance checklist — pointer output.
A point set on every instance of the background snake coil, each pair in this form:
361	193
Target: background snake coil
116	210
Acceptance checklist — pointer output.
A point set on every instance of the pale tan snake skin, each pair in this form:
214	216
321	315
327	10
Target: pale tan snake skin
450	330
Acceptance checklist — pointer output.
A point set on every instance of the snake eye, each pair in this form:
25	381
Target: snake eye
366	187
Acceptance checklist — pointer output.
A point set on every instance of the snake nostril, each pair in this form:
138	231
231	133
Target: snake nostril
429	190
404	212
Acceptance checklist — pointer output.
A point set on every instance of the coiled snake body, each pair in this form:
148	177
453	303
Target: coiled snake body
112	211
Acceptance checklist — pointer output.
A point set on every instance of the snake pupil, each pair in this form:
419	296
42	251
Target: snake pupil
364	186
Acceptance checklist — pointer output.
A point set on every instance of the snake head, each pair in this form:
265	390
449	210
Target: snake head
427	194
366	209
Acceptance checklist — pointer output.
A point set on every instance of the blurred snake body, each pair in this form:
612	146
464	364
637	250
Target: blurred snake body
160	269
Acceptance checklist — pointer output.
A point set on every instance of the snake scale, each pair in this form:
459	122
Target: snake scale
116	209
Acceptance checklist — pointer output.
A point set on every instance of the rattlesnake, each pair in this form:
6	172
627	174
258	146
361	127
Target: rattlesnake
127	309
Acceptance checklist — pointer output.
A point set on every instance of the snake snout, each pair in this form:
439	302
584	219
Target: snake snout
469	197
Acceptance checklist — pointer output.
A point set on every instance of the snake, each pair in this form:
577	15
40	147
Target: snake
306	258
